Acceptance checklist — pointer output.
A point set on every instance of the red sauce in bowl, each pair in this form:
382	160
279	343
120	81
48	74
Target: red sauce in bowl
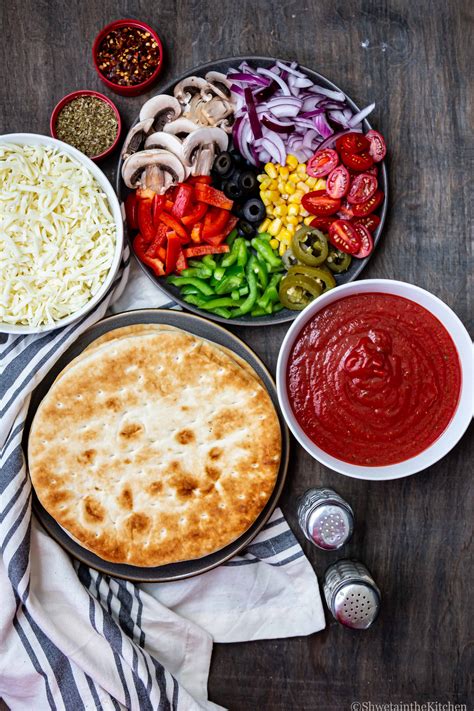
373	379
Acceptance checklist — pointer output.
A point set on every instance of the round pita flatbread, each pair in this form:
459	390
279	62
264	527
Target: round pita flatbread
154	448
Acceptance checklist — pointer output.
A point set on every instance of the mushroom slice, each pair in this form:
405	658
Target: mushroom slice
135	137
219	83
181	128
162	109
194	110
187	88
147	169
215	111
201	147
167	141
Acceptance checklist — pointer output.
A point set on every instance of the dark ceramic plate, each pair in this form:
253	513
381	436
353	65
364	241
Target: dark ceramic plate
204	329
222	65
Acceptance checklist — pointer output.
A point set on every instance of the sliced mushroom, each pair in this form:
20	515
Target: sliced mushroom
187	88
167	141
135	137
219	83
201	147
181	128
194	110
149	169
215	110
162	109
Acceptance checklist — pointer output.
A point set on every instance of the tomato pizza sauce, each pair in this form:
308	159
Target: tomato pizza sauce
373	379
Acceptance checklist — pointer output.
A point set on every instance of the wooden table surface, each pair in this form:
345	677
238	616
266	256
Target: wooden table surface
412	57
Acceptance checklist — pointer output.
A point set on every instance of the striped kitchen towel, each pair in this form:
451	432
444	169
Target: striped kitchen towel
72	638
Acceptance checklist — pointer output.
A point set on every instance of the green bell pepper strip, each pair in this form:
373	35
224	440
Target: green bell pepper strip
262	247
235	295
244	291
265	236
261	270
258	312
223	301
338	261
231	257
201	285
186	290
229	283
314	255
202	273
242	254
197	263
277	307
249	302
221	311
270	295
209	261
219	273
192	299
231	237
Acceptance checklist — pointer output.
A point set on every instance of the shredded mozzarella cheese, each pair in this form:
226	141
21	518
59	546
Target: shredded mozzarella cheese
57	235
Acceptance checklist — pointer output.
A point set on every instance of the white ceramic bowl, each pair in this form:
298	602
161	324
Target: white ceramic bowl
36	139
462	416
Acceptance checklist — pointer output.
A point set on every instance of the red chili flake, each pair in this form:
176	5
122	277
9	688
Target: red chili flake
128	56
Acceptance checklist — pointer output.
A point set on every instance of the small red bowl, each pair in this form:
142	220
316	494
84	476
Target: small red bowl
136	88
85	92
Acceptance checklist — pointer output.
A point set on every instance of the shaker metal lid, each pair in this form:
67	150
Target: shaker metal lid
356	605
330	525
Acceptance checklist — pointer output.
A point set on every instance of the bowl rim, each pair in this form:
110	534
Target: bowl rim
134	89
86	92
461	417
285	316
114	204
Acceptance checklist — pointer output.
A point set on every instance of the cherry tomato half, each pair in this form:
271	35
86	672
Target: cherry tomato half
321	205
353	143
343	235
345	212
378	147
369	221
323	223
357	161
365	208
322	163
337	182
362	188
366	241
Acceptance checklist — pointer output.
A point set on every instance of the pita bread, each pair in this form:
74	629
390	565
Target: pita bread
154	448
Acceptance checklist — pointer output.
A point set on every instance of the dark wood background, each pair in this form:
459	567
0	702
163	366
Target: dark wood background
414	58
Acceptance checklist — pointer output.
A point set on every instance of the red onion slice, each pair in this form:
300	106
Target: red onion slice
358	118
271	75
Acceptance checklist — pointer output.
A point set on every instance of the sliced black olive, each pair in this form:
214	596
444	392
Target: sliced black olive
254	210
248	182
238	159
223	165
245	229
232	188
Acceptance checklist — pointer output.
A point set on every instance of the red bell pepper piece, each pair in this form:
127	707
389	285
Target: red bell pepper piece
145	219
204	179
182	201
172	252
175	225
158	241
214	222
211	196
131	205
139	247
219	238
181	262
198	212
157	207
202	249
196	233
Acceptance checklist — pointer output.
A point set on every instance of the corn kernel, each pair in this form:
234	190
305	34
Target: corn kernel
291	161
308	220
301	170
303	212
296	197
261	177
311	182
265	225
290	188
284	173
284	235
292	209
294	178
302	186
270	170
282	249
274	243
292	220
291	228
281	211
273	185
275	227
266	201
265	184
320	184
274	195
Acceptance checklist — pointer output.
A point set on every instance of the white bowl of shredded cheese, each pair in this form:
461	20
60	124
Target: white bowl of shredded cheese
61	234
